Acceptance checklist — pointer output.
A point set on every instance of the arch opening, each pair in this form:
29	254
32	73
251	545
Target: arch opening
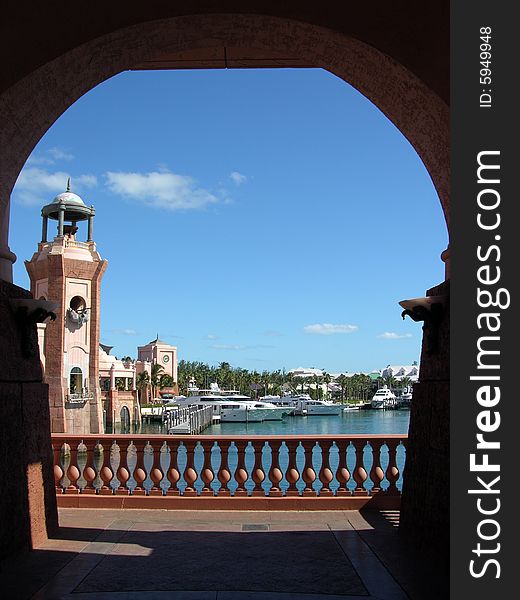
418	112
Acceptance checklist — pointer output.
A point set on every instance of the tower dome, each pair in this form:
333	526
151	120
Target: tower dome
67	207
68	197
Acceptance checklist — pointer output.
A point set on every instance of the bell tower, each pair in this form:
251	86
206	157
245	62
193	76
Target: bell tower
69	272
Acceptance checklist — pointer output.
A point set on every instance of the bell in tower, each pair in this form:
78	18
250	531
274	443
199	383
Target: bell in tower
68	271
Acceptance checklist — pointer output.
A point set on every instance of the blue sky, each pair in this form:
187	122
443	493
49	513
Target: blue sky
267	218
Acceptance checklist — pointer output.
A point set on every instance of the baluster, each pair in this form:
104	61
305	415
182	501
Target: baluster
123	471
106	472
190	474
207	474
140	470
359	474
275	473
325	474
392	472
173	470
292	475
224	474
81	462
376	472
89	472
58	471
343	474
156	473
258	474
309	474
65	461
241	474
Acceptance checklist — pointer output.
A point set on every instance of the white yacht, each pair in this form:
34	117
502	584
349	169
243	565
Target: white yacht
230	410
276	413
383	398
404	400
305	405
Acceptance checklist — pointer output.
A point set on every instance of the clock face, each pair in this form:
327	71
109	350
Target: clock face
165	358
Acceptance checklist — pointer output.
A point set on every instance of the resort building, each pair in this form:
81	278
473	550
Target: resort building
88	387
117	379
68	272
401	371
163	354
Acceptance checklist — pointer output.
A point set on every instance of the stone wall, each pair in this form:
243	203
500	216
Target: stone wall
27	499
426	493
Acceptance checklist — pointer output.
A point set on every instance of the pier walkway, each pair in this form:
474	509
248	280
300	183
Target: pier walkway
105	554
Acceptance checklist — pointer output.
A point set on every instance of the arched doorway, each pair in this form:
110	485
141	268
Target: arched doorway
125	419
359	47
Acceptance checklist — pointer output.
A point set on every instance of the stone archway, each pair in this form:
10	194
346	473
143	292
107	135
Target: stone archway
31	106
364	56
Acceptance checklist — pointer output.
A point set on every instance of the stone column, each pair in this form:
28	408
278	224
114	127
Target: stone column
134	380
45	221
61	219
7	258
112	378
90	230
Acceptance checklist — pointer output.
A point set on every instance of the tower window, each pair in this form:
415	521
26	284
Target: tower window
78	304
75	380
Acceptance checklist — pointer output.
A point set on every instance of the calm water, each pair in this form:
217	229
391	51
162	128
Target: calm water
357	421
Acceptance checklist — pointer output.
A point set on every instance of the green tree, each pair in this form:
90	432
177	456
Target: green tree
326	378
166	381
155	378
142	382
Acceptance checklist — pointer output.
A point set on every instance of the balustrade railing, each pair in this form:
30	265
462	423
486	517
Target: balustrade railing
79	397
360	468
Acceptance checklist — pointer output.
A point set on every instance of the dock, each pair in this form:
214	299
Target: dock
188	420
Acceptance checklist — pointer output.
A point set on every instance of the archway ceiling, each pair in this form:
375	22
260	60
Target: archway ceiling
416	34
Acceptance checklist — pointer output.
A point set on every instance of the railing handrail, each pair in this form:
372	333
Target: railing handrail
229	438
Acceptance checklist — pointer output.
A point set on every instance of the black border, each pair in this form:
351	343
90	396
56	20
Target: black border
475	129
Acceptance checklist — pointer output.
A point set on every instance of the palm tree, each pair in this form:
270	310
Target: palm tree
142	382
390	381
326	380
155	377
342	380
166	381
406	382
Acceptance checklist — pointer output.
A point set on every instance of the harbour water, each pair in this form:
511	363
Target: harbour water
353	422
349	422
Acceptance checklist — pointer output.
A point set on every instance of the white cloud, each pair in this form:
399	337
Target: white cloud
50	156
37	186
228	347
60	154
160	189
211	336
388	335
237	178
124	331
329	328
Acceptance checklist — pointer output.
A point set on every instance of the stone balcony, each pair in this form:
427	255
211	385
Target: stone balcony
291	472
263	518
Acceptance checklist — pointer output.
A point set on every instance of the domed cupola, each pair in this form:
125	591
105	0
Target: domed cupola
67	207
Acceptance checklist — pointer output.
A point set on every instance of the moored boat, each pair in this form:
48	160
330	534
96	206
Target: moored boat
383	398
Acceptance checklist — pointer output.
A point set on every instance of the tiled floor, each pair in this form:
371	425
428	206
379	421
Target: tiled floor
221	555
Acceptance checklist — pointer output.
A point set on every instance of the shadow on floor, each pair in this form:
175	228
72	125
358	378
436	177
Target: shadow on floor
365	558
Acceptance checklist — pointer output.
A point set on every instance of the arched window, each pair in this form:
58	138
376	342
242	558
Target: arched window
75	380
125	418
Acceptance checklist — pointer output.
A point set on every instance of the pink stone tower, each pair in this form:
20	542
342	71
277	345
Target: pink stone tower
69	272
